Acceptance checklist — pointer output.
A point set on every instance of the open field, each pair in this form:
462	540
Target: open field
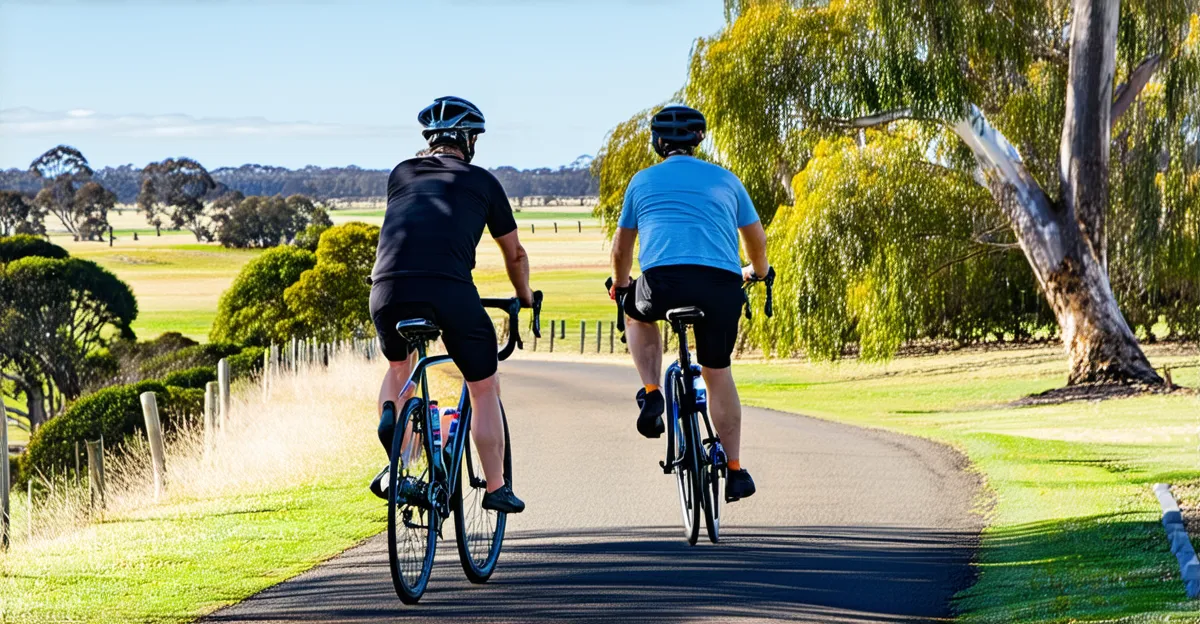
1074	529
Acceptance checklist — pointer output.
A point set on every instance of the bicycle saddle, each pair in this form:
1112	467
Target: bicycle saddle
418	330
689	314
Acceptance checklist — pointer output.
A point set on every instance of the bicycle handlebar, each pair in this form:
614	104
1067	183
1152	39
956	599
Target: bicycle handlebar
512	306
769	280
621	294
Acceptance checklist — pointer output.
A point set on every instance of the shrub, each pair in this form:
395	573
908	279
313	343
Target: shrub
24	245
252	311
192	378
114	412
246	363
187	358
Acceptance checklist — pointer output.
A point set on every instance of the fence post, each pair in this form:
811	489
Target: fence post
154	432
599	334
77	467
612	344
556	227
95	453
580	226
223	388
211	392
562	329
532	229
4	479
29	498
553	331
582	334
266	374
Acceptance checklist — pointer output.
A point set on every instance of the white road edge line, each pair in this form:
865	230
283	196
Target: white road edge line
1177	536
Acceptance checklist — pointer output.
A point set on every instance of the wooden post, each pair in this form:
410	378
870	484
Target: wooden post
223	388
599	334
612	341
77	468
580	226
95	453
582	334
29	500
562	329
553	331
158	460
266	374
211	395
532	229
4	480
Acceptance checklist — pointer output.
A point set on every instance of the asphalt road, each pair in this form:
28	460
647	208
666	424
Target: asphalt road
849	525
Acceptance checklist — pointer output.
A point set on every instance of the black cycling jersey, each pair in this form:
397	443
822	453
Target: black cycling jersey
436	211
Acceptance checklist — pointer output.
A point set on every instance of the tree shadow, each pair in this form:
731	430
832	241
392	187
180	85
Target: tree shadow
822	574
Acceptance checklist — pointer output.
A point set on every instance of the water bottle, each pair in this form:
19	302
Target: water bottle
435	429
701	393
450	420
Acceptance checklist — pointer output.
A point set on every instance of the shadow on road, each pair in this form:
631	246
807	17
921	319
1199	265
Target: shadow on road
825	574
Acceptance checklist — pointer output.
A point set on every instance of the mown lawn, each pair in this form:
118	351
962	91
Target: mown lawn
1074	531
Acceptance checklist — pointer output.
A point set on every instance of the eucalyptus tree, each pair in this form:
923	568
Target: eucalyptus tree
173	191
18	215
63	170
53	313
1073	83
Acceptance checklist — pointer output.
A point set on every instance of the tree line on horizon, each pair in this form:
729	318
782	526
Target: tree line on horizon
324	183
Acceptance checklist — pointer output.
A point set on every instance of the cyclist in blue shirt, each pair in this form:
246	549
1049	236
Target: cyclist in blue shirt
688	214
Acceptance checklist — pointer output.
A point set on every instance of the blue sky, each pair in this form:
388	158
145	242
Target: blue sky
331	83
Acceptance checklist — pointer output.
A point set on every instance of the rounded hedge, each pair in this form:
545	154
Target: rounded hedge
115	413
191	378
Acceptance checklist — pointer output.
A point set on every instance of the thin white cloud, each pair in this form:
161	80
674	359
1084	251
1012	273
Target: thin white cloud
29	122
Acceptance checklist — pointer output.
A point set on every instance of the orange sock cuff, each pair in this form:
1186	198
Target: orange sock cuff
651	388
735	465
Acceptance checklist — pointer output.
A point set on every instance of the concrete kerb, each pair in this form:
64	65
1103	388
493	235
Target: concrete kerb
1177	536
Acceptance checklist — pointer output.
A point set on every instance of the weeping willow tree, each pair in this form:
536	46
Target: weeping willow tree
1074	84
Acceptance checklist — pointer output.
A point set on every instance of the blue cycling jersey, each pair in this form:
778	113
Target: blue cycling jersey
687	211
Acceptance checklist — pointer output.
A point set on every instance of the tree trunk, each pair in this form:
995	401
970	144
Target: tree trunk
37	406
1100	346
1087	126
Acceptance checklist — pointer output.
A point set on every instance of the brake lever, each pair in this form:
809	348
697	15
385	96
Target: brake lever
537	314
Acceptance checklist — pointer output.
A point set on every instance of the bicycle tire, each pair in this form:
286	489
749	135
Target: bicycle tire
711	486
474	525
411	545
687	466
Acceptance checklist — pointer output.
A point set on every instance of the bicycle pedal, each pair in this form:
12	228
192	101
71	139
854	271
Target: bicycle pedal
665	468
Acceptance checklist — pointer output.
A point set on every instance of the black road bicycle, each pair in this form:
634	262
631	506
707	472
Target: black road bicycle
694	452
430	482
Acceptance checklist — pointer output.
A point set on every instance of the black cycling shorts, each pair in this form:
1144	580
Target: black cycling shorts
715	291
452	305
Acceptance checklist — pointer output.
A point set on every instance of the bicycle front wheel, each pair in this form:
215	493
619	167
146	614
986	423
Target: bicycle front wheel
412	520
685	453
478	531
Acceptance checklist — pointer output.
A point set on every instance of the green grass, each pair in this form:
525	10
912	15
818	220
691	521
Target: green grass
1074	531
177	284
570	294
178	561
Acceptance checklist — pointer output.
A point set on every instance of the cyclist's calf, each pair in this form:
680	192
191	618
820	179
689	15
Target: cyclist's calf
487	428
725	408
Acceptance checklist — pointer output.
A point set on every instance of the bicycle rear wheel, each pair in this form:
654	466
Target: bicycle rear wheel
412	520
478	531
687	469
712	487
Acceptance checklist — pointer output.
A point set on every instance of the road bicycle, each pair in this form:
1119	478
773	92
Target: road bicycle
431	482
694	452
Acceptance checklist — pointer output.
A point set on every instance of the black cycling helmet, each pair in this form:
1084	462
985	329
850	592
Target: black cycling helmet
676	128
452	121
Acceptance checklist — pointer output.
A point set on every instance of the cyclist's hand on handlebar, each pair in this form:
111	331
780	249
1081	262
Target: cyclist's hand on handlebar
748	273
526	298
616	289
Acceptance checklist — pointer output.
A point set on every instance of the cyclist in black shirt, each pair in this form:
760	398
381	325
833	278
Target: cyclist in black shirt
437	208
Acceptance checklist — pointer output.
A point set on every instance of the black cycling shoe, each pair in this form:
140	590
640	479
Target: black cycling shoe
379	484
503	500
650	422
738	485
